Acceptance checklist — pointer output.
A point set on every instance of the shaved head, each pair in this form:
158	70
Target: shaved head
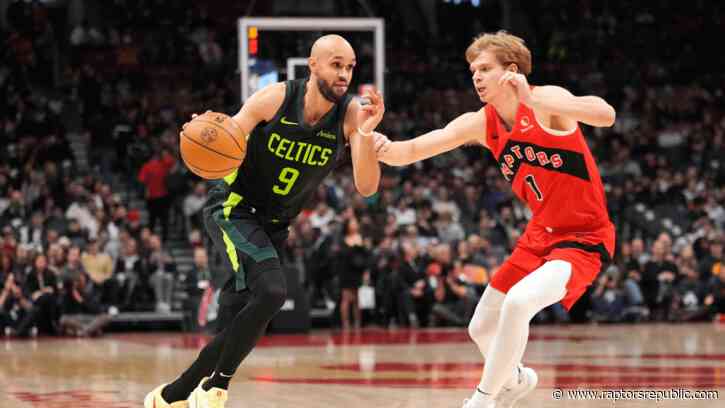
331	44
331	63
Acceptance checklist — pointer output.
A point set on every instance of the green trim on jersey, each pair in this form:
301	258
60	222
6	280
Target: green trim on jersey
234	235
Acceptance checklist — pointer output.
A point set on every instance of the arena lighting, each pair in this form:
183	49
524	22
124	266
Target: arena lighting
474	3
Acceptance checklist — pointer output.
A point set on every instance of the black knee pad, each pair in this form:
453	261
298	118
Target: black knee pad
268	285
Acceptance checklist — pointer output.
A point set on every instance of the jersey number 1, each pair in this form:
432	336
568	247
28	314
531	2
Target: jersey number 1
287	176
531	181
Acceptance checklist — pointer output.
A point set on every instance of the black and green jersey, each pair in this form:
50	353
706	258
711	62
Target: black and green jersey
287	160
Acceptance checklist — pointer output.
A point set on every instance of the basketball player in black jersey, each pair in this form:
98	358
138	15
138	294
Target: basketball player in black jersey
296	131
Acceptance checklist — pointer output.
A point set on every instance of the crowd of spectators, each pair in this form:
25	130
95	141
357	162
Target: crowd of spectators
418	253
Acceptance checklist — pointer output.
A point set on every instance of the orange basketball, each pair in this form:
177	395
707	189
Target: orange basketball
212	145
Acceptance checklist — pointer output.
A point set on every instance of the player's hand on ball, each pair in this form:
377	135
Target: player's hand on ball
194	115
212	145
371	113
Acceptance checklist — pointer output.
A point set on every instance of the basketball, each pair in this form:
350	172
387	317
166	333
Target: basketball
212	145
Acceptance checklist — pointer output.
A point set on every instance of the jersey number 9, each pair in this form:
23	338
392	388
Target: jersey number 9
287	176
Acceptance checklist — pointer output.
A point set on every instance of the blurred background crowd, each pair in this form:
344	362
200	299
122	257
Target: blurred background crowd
99	217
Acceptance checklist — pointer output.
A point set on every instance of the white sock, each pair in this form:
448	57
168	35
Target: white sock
541	288
484	323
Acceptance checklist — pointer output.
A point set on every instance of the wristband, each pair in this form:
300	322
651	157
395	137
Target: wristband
365	134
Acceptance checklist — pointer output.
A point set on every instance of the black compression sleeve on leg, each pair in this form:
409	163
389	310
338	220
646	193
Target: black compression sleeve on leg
268	292
203	366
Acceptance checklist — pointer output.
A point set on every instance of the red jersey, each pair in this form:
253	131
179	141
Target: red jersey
554	174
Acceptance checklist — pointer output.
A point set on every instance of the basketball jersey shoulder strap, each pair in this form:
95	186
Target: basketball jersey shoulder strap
289	96
492	137
341	113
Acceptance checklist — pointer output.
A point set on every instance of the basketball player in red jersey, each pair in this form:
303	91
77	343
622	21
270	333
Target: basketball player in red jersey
534	135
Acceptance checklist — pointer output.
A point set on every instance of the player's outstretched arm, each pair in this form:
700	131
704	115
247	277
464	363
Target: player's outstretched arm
555	100
360	122
558	102
467	128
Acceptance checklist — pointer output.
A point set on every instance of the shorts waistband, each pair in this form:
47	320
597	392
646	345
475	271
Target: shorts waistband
598	248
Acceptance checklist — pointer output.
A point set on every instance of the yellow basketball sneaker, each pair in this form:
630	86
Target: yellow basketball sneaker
154	400
214	398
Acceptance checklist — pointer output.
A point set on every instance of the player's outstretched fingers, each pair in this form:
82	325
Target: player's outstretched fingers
194	115
378	98
381	143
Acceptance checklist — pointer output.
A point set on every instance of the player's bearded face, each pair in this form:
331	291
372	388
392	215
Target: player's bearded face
333	78
329	91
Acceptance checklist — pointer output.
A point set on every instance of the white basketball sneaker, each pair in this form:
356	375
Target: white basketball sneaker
467	403
527	380
479	400
155	400
214	398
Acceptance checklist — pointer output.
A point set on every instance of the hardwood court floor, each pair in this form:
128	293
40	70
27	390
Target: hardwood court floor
372	368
